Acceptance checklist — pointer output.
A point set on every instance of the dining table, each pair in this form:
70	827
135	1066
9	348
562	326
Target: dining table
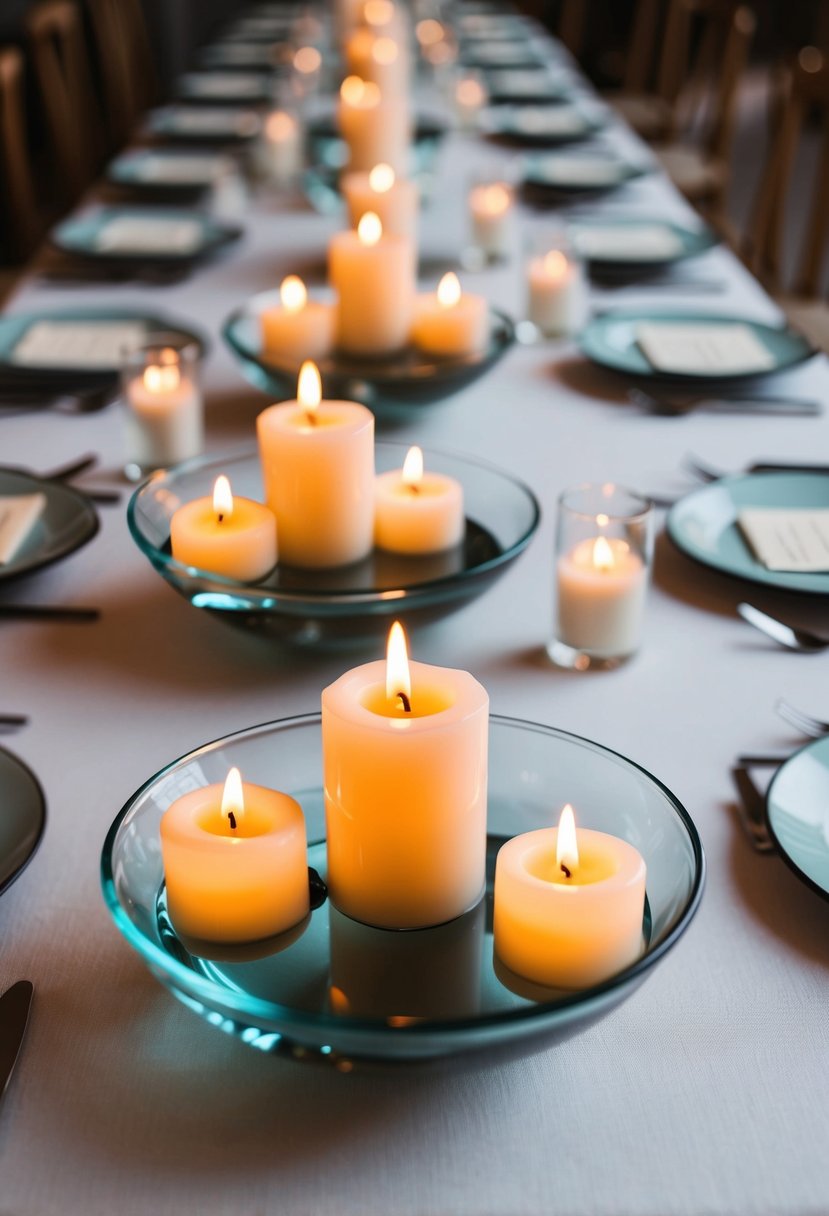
705	1092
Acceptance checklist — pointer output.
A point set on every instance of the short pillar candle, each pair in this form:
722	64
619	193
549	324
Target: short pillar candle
374	277
416	511
227	535
297	328
451	323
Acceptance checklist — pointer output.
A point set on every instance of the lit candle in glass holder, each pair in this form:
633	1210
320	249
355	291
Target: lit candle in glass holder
163	406
557	291
469	97
307	65
490	214
298	328
279	153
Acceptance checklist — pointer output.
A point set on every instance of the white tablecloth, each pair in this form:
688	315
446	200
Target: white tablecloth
705	1093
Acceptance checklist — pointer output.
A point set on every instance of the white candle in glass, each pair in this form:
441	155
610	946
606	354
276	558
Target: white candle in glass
280	148
298	328
451	322
392	198
490	213
374	277
164	413
602	586
469	99
557	289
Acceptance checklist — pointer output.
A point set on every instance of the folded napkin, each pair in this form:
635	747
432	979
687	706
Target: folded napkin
18	515
92	345
556	120
788	539
700	349
150	234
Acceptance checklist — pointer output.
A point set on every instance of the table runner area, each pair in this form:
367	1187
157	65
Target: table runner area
704	1093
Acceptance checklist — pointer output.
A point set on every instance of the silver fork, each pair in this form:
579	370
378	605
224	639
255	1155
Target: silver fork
807	724
676	405
802	641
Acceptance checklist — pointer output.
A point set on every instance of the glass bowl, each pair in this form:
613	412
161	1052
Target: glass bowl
338	991
408	377
347	604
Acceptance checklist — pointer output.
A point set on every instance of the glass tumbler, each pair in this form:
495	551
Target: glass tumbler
163	409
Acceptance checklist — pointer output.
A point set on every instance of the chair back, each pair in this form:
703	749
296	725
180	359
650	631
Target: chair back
115	69
19	210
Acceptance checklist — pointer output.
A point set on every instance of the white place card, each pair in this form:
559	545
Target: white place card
18	515
243	53
699	349
151	234
546	120
627	242
578	171
211	120
222	84
82	344
522	83
187	170
788	539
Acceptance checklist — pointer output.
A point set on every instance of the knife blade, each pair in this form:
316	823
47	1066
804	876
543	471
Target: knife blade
786	466
15	1004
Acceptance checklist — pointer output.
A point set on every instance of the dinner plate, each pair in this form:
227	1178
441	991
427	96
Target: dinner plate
538	85
703	525
235	55
408	377
562	175
337	991
68	521
225	87
797	813
86	235
22	817
508	54
541	126
678	242
165	173
204	124
611	341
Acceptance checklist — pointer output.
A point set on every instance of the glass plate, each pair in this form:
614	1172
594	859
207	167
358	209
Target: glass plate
23	817
610	341
401	995
68	521
703	525
507	86
797	813
349	604
407	378
523	126
690	242
540	186
79	234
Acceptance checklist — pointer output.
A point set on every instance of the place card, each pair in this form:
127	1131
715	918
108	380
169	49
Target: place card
627	242
153	234
86	344
576	171
18	515
549	120
211	120
795	540
187	170
222	84
525	83
697	348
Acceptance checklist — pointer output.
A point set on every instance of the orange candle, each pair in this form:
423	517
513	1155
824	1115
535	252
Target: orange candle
374	277
417	512
449	322
227	535
298	328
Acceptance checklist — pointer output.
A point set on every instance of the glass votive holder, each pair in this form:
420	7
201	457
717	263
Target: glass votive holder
469	97
491	208
307	71
557	294
603	558
279	150
163	408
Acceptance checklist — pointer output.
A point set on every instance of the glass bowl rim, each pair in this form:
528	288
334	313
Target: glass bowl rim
630	517
257	1008
159	557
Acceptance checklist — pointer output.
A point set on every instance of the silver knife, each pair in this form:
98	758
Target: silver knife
15	1004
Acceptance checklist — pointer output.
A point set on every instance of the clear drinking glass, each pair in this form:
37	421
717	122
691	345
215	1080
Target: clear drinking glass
163	408
603	558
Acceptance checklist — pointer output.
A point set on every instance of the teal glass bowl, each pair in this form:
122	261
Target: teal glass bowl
349	604
337	991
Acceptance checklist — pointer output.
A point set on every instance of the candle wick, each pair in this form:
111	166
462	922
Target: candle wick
415	489
232	819
407	705
567	873
310	418
221	516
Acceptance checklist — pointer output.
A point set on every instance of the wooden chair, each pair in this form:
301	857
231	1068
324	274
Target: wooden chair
651	84
22	224
143	74
806	95
115	69
61	65
699	163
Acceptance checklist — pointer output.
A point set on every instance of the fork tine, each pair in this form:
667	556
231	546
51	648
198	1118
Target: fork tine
701	469
806	723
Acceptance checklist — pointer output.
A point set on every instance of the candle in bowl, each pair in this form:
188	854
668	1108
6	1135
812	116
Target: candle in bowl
164	412
450	323
417	512
235	863
393	199
318	467
470	97
490	214
568	906
279	151
374	276
298	328
227	535
558	302
377	58
376	129
405	778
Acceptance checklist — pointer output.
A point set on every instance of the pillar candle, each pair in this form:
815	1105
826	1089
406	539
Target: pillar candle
376	129
374	277
298	328
235	862
558	301
568	908
393	199
405	778
378	58
164	414
318	467
227	535
450	323
416	512
602	584
490	212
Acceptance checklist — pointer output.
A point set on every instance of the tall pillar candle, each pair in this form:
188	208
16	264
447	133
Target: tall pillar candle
393	199
376	129
374	277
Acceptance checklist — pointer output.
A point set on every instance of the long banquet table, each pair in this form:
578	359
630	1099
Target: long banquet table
704	1093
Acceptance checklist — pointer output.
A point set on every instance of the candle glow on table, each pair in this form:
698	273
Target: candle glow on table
279	151
299	328
393	199
318	467
568	905
451	323
405	779
470	97
490	213
235	863
227	535
558	302
417	512
602	585
376	129
374	276
164	415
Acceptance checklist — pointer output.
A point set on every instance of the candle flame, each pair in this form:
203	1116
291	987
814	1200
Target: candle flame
567	847
449	290
555	264
222	498
384	51
293	294
309	387
429	31
307	59
602	520
381	179
496	198
378	12
398	677
370	229
357	92
279	126
603	558
413	468
233	798
162	378
470	92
